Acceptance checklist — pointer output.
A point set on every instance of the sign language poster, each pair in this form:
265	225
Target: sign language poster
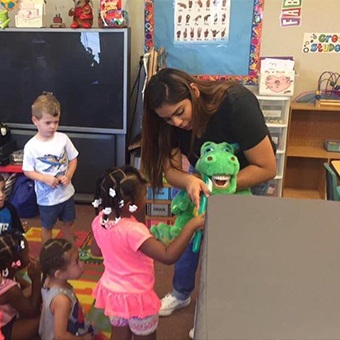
216	39
197	20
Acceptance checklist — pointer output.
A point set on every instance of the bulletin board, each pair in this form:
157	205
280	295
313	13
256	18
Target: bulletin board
212	39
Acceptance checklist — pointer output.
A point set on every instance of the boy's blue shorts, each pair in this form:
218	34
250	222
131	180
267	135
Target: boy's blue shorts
64	211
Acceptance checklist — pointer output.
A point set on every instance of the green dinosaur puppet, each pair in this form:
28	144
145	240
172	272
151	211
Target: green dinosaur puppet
219	167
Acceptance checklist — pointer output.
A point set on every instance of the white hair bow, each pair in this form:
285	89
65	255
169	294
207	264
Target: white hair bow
133	208
96	203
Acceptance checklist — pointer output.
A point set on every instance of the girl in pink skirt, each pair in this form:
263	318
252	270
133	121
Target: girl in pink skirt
126	289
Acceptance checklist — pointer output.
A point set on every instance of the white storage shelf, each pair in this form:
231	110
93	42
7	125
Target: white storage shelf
279	135
275	109
276	113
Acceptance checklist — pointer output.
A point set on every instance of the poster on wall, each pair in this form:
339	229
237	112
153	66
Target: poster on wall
198	21
211	39
321	43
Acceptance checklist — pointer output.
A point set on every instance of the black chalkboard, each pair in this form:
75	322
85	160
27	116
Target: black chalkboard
85	69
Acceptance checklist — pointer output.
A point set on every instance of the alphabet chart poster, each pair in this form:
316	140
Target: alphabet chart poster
212	39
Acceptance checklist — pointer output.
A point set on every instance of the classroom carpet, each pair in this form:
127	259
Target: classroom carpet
85	252
84	286
33	236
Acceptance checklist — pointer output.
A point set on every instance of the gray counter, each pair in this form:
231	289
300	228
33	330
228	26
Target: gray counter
270	269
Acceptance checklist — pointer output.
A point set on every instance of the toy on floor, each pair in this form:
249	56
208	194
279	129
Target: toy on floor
218	167
4	19
82	14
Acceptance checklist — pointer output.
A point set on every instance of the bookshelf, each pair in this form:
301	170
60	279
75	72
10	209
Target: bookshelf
309	127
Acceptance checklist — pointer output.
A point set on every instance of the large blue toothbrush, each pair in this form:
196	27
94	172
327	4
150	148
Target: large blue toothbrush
196	243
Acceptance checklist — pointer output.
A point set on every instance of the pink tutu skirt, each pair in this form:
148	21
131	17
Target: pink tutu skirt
126	305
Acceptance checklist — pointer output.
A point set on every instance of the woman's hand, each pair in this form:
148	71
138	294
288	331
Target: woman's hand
194	187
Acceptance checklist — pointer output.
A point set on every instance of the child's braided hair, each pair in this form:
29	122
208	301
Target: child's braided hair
116	187
11	247
52	256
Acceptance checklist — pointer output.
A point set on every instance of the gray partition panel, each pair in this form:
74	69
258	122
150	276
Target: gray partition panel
270	269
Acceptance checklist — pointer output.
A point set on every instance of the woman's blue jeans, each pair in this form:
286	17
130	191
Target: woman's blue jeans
185	268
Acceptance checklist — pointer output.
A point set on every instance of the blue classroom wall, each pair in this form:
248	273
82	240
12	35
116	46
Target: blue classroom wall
213	57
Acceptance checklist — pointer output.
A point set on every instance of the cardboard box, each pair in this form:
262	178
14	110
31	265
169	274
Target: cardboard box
277	83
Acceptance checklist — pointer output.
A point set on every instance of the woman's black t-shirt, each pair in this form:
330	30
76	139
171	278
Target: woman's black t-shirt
239	120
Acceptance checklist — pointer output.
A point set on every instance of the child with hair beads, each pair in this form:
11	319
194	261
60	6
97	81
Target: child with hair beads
126	289
19	313
62	317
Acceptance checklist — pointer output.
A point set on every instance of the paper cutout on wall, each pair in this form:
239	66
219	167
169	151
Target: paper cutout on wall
321	43
291	13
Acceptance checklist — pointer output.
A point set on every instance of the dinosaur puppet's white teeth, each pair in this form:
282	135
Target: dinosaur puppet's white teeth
221	181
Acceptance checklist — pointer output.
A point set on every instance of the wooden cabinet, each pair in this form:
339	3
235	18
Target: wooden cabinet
309	127
276	113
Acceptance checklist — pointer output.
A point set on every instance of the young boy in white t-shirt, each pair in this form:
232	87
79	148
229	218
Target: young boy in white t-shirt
50	159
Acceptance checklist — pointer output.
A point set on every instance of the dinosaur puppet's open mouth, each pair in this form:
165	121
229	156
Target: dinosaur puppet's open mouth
220	181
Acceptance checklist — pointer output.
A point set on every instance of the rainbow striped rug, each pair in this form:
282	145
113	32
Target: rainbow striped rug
83	288
33	236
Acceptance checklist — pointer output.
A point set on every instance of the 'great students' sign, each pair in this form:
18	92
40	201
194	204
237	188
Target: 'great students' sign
321	43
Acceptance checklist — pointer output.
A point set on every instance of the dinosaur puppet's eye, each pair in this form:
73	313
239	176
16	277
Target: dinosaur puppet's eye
207	150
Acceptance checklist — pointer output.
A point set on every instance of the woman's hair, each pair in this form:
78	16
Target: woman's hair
52	256
11	248
116	187
171	86
46	103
